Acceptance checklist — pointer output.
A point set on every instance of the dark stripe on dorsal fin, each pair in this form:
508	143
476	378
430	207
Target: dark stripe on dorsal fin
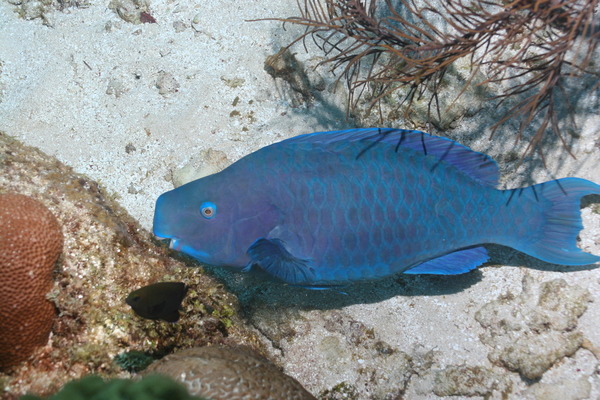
476	165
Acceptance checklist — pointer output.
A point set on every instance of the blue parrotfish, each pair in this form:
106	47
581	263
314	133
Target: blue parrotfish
330	208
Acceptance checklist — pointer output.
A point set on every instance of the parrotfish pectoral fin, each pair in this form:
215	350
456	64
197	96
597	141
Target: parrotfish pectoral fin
454	263
272	256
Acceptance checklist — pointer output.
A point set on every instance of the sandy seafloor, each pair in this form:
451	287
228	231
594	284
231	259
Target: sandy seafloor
139	107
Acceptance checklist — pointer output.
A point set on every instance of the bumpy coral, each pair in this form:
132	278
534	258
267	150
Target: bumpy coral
220	373
30	243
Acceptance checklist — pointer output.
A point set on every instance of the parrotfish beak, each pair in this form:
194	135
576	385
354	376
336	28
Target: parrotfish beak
159	229
160	225
174	244
168	222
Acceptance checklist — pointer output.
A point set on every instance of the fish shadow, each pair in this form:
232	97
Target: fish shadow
510	257
257	289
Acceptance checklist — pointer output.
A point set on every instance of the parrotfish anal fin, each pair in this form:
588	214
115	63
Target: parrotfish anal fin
454	263
272	256
476	165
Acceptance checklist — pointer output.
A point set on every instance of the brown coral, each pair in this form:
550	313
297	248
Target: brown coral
221	372
30	243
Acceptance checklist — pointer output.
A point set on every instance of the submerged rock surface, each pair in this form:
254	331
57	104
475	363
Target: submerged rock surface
106	256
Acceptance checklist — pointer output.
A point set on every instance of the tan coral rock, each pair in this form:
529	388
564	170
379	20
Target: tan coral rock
106	255
221	372
30	243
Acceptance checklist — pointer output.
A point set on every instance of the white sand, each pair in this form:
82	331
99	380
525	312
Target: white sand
85	88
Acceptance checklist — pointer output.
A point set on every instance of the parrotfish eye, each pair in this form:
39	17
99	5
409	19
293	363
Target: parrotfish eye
208	209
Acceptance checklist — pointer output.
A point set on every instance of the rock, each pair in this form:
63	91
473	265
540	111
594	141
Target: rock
106	256
284	65
206	162
467	381
530	332
166	83
131	11
576	389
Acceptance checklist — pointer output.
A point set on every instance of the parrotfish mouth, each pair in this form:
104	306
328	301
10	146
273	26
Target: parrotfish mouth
174	244
172	241
177	245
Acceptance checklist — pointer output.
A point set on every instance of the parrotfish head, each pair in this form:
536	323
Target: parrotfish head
213	219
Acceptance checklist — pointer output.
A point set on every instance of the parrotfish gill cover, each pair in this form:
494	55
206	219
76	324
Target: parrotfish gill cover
330	208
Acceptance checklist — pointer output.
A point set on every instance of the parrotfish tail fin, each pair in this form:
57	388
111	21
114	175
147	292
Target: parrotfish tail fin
548	220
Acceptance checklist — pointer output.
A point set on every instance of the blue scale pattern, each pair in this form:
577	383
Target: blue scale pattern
376	215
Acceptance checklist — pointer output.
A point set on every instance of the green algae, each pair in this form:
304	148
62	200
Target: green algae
224	315
155	387
342	390
133	361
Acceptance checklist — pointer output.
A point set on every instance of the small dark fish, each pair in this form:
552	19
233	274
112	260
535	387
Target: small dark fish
158	301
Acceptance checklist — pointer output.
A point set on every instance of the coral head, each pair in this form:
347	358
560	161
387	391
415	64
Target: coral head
31	241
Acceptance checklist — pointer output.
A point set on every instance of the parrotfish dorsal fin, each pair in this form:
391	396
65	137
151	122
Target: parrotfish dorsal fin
476	165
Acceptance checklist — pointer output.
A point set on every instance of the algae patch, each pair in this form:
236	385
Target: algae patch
341	391
467	381
233	82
